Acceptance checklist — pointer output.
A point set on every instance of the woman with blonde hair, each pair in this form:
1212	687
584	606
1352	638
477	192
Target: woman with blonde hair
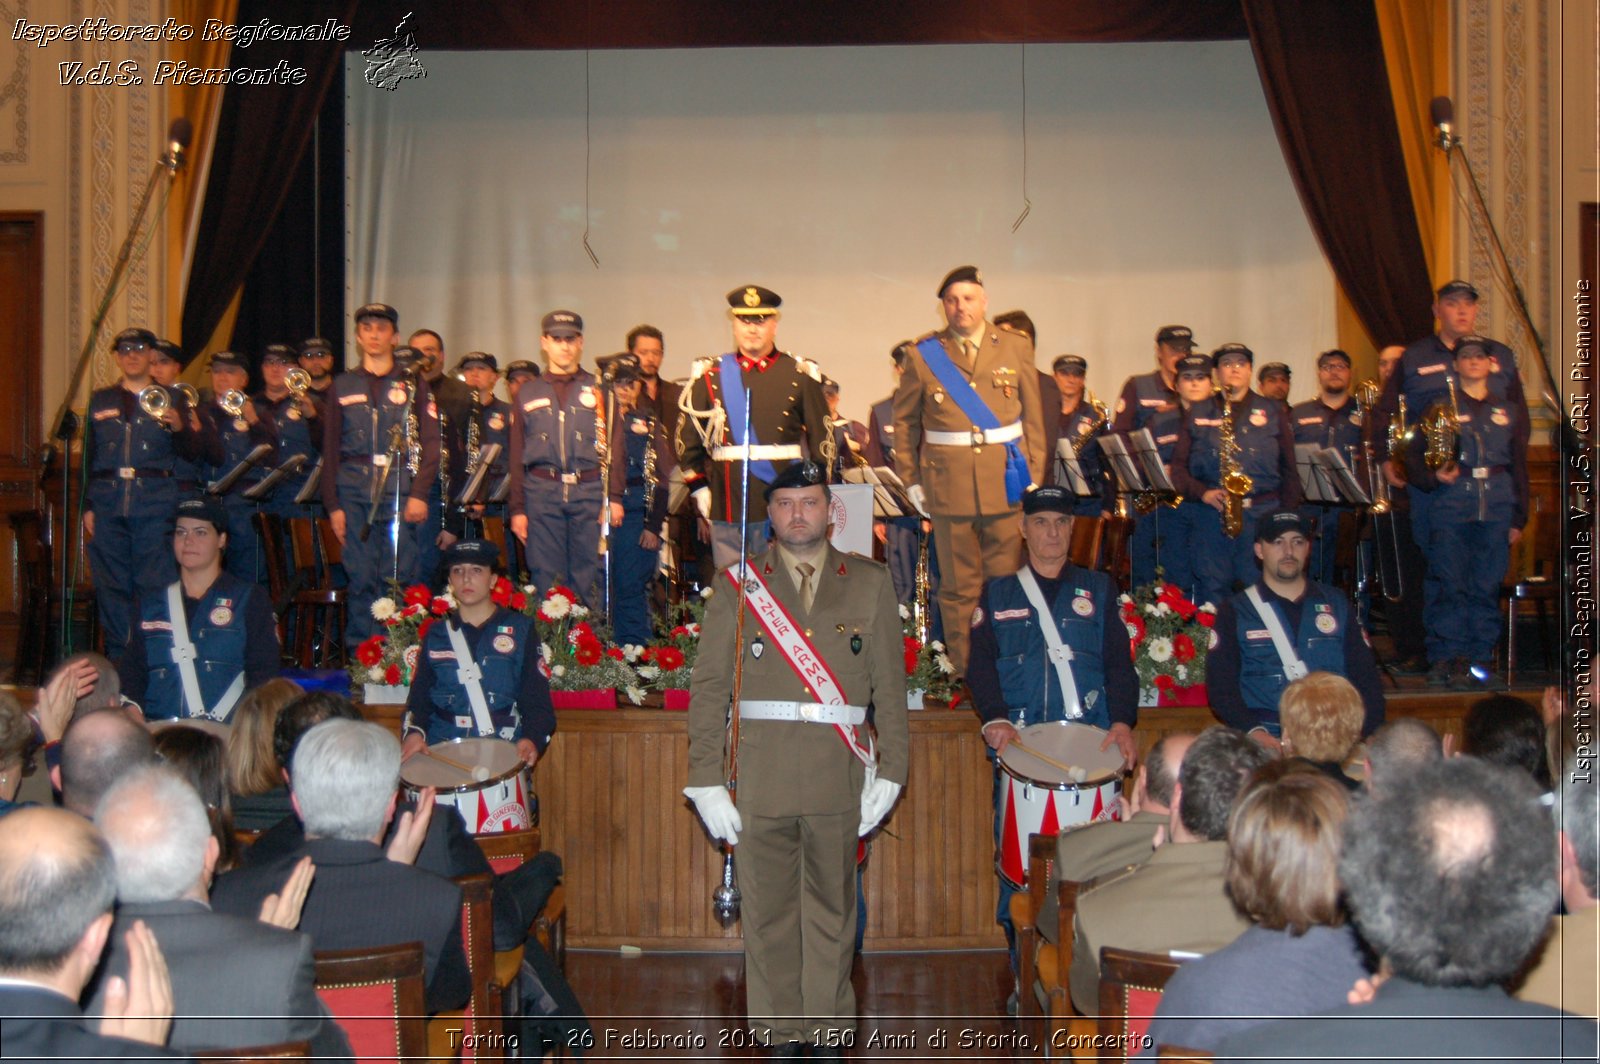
1321	714
16	747
255	779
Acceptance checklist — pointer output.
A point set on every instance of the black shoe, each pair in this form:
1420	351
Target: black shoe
1414	666
1461	677
1487	679
1439	674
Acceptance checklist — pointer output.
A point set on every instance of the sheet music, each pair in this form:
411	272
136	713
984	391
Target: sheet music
1314	479
1071	470
1144	446
1130	481
1344	480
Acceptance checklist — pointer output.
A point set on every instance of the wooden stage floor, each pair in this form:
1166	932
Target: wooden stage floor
693	1005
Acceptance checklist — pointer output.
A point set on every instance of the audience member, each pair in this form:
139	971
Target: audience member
197	755
1321	714
1100	848
270	807
1298	957
1399	748
16	750
97	750
343	779
57	883
1565	973
235	981
1504	730
1177	899
1450	877
98	685
250	765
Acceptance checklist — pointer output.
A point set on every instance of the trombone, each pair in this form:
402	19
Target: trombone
1385	528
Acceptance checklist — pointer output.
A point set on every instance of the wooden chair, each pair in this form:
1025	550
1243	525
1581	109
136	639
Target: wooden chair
508	850
1181	1055
258	1054
1025	909
39	600
447	1030
1083	549
1131	985
269	530
1116	545
318	605
1527	582
377	997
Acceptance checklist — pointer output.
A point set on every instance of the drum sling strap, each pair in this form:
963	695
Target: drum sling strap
1060	654
184	655
471	677
1293	667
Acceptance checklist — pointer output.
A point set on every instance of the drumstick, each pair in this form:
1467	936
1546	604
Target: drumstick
470	770
1046	758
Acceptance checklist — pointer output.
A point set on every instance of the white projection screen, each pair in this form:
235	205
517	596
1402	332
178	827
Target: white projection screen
847	179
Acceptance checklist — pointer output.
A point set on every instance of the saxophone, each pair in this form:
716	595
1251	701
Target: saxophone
474	447
413	432
1236	483
1102	417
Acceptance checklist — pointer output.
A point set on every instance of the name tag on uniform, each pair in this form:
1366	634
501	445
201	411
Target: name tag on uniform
156	626
352	400
537	404
441	655
1437	367
1309	421
102	415
1258	633
1208	422
1010	615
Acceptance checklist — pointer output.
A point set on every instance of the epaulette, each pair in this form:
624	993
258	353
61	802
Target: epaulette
699	367
926	336
808	367
1106	880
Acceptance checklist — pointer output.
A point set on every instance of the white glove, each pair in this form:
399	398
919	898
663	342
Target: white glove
702	502
919	499
877	798
716	809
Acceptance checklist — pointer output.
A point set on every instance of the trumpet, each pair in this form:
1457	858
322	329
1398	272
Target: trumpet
232	401
154	400
190	394
298	381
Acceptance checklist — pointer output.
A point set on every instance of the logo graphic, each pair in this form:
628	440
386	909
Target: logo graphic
394	59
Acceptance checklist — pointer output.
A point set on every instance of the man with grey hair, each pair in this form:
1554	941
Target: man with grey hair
264	992
1399	747
57	884
1565	973
343	776
96	751
1450	877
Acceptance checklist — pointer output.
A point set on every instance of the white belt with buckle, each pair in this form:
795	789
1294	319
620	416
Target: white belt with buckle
380	460
569	478
975	438
810	712
127	473
758	452
1482	472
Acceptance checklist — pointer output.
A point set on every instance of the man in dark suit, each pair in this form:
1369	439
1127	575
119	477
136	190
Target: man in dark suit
646	344
1451	877
343	779
57	883
235	981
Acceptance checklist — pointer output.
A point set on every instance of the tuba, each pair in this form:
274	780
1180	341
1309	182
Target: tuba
1440	429
1236	483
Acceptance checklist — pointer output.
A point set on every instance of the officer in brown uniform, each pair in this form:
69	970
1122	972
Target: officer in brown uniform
787	418
966	472
809	782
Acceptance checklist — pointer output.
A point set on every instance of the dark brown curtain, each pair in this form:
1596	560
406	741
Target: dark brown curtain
1321	64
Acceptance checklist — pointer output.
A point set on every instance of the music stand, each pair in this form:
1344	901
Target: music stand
262	488
1071	470
1124	466
474	486
1144	448
228	480
1315	482
889	498
1350	491
312	488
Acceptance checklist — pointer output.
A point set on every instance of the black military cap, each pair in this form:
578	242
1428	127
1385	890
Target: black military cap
622	369
1048	499
522	365
561	324
830	386
1017	321
166	349
314	345
901	350
408	359
478	360
204	508
277	353
1228	350
754	300
796	475
378	310
1275	369
1458	287
1198	365
1275	523
1470	343
1070	364
472	552
1333	355
967	274
134	338
1176	337
229	360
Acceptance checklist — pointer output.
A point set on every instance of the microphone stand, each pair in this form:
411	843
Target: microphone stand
64	428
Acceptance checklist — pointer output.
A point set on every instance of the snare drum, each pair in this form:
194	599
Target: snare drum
1041	799
491	795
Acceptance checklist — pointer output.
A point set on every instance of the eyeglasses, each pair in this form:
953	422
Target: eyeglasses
129	349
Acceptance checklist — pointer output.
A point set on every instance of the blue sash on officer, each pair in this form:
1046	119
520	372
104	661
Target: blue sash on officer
733	401
966	396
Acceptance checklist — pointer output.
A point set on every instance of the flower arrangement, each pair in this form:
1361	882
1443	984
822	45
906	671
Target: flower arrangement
576	656
1168	636
667	664
928	668
390	656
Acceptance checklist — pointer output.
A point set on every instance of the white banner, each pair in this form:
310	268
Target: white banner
852	518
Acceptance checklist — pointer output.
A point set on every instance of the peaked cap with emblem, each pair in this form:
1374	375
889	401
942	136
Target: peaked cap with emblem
472	552
378	310
753	299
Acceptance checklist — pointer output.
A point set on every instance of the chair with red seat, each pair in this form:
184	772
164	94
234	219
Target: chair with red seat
480	1020
376	996
1131	985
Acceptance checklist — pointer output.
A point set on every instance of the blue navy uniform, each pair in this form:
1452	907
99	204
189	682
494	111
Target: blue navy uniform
133	487
639	444
1073	426
903	534
453	401
494	426
506	649
239	438
555	423
1338	428
1261	429
191	472
235	639
363	409
1244	675
297	435
1011	677
1147	402
1469	524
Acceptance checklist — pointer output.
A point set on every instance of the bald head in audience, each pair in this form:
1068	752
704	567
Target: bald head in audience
1158	776
57	883
1399	747
97	750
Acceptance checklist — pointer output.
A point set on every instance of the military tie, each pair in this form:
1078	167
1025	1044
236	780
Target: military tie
808	590
970	349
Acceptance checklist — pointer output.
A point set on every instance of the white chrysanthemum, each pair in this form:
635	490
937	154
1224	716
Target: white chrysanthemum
635	694
1211	639
905	614
946	666
649	672
450	597
545	652
1162	609
556	608
1206	607
558	670
1124	599
384	608
579	611
1150	608
631	652
1183	672
1160	649
936	646
375	674
530	590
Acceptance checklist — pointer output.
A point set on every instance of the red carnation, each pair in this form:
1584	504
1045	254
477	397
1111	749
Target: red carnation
441	607
913	650
391	675
370	652
669	658
418	595
1163	681
422	630
500	594
562	592
1206	618
678	633
1129	611
1182	648
519	601
614	653
588	652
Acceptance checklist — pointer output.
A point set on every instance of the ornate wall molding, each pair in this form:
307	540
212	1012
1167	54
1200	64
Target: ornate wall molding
14	101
